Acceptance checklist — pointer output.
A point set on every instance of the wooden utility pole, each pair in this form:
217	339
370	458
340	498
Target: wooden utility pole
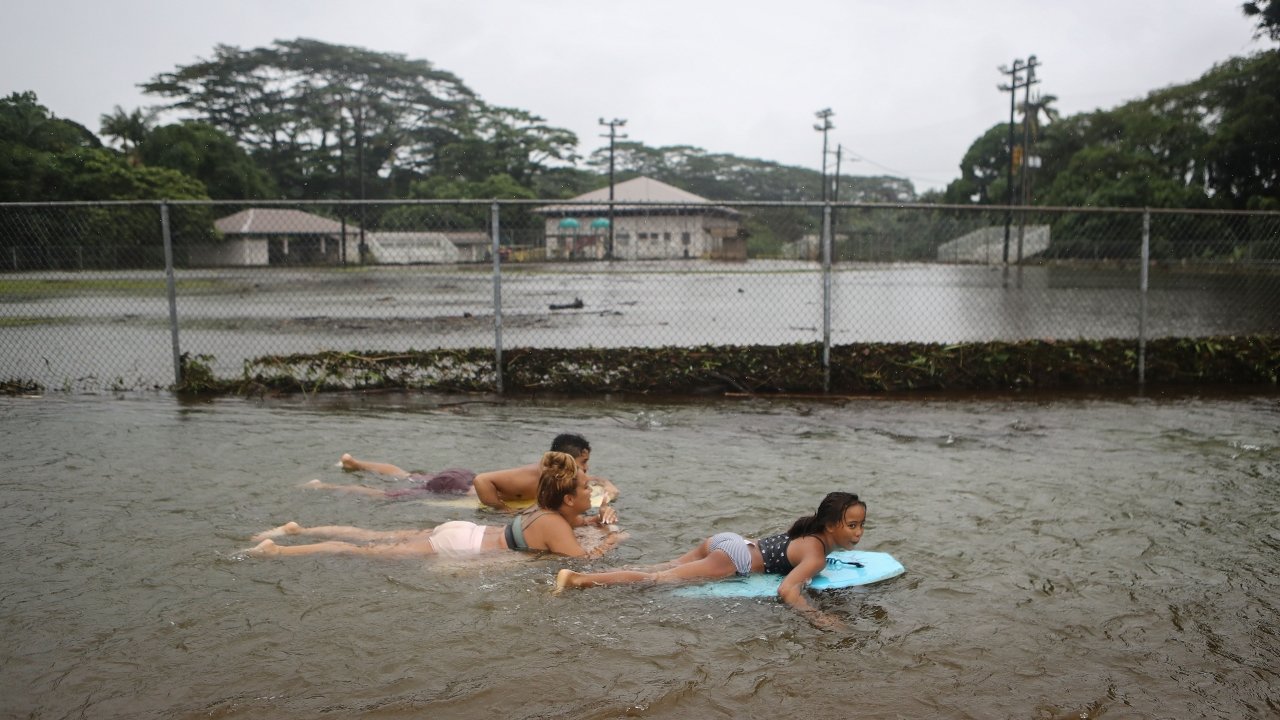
613	136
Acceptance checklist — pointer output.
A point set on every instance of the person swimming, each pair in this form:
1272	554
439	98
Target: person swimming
799	554
563	495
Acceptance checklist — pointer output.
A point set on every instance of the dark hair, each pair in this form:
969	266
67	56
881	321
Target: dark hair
559	477
830	511
570	443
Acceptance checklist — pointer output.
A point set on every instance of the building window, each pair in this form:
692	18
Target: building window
684	238
666	236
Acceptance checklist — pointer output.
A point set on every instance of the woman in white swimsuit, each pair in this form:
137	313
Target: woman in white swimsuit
563	495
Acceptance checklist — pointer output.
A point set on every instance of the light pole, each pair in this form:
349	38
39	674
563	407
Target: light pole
613	136
825	116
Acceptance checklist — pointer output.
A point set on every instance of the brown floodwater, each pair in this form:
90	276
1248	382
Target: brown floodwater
1067	557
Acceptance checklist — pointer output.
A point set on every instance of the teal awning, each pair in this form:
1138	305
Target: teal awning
569	223
600	223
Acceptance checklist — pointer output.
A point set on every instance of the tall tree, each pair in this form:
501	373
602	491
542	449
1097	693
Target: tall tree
507	141
983	169
1242	156
1267	14
311	112
210	156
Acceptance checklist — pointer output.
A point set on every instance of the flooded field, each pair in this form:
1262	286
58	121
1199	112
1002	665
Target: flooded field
1066	558
112	330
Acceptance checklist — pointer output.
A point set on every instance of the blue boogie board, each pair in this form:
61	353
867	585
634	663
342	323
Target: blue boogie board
845	568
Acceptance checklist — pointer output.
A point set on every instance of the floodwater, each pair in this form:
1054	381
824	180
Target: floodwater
112	329
1066	558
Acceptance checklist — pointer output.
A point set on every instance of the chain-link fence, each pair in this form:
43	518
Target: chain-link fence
96	295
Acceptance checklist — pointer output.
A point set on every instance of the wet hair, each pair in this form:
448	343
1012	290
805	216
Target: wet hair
559	478
570	443
830	512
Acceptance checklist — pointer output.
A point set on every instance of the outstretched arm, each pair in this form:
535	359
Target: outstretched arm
561	540
792	588
606	516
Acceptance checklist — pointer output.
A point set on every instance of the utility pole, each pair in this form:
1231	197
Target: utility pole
1026	151
613	136
825	116
1015	83
342	176
835	195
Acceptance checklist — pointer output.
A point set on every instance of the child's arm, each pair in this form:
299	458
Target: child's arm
792	588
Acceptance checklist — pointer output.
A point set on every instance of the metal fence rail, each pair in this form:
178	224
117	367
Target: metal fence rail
108	295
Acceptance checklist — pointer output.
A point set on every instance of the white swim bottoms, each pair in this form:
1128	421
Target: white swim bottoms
736	547
457	538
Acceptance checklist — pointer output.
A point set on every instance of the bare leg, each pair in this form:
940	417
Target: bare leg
289	528
697	553
350	463
351	489
346	532
335	547
713	566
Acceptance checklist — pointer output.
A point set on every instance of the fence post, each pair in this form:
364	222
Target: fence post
1142	299
170	288
826	298
497	297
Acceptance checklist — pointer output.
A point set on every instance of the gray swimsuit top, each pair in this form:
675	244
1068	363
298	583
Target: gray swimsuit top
514	532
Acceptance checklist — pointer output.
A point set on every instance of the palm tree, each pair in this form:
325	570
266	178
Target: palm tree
1037	106
130	128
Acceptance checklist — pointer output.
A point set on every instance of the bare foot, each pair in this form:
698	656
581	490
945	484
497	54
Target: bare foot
289	528
264	548
566	578
348	462
313	484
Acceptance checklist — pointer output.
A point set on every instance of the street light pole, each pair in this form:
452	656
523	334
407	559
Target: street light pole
613	135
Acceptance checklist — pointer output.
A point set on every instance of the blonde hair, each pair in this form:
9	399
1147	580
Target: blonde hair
559	478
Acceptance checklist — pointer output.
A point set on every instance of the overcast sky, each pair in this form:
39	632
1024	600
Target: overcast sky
912	83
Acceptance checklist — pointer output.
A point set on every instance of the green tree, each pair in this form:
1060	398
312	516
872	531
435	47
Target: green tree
130	128
311	112
983	170
207	154
37	150
460	216
506	141
1242	155
1267	14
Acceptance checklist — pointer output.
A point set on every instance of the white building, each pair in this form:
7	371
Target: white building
278	236
651	221
408	248
985	246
